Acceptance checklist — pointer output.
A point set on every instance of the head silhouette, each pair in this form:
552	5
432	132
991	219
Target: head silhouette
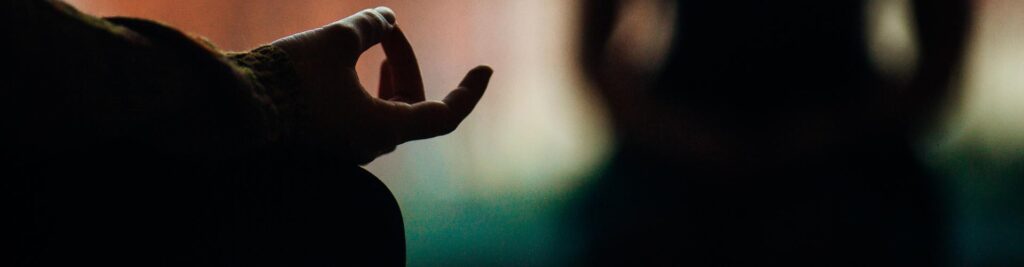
755	82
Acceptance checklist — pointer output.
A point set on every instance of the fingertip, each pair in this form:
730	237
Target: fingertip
484	69
463	99
364	29
387	13
477	78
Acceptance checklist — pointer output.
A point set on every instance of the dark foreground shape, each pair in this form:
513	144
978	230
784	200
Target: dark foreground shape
280	211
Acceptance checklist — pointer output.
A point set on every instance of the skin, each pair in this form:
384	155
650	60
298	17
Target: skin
346	117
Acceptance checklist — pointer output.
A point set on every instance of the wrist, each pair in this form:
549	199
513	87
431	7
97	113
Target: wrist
278	82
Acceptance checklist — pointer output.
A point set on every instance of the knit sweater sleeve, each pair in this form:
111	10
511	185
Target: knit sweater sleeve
84	83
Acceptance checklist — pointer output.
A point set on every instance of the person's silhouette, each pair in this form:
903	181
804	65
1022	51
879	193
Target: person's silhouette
130	143
766	137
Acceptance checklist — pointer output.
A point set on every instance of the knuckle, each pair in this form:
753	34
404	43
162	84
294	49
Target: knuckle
344	34
373	18
367	14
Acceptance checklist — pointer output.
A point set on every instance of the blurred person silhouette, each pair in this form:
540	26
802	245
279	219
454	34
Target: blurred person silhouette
761	134
128	142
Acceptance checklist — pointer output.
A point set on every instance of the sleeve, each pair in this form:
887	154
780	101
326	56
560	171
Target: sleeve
82	83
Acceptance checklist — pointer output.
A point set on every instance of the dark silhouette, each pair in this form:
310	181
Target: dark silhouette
768	138
130	143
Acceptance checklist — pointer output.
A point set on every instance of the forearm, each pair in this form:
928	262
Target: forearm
86	81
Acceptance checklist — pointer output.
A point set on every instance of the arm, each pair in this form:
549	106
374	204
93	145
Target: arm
84	83
133	82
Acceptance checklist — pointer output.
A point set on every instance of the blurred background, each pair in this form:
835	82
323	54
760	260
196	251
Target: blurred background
492	193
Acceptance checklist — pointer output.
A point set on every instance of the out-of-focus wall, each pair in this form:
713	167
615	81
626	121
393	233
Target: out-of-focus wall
490	192
981	149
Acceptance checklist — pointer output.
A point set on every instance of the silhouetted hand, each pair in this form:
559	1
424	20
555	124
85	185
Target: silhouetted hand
345	116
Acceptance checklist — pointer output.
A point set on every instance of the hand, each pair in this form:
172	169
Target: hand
346	118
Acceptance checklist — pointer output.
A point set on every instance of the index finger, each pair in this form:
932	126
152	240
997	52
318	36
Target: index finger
408	81
363	29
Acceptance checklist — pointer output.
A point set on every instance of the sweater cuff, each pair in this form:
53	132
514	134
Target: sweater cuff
277	84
